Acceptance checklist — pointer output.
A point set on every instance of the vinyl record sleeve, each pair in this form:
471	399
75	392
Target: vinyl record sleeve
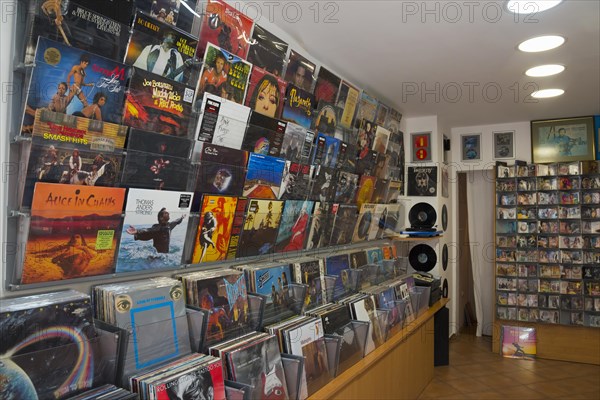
272	281
347	185
264	135
298	107
338	266
260	227
293	227
237	227
224	26
73	150
266	93
367	107
296	181
263	177
84	25
347	100
172	13
344	224
214	230
422	181
267	51
224	74
327	86
295	142
222	122
325	151
311	273
300	71
154	230
156	161
158	104
323	187
162	49
72	81
74	232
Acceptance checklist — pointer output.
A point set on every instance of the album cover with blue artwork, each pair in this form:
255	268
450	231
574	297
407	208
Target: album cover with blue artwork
326	151
298	106
263	177
338	266
71	81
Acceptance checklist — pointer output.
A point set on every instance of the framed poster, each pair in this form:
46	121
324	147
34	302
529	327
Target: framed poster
504	145
470	147
563	140
421	146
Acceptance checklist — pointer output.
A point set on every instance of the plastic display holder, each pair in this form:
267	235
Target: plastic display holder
353	342
197	323
237	391
333	343
330	281
419	296
389	269
151	345
293	367
396	317
65	370
337	287
383	316
256	306
292	303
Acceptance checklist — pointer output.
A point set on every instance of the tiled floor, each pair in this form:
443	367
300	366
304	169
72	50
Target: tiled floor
477	373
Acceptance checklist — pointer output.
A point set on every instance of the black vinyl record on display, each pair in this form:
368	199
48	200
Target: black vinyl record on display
444	217
422	258
445	289
445	257
422	215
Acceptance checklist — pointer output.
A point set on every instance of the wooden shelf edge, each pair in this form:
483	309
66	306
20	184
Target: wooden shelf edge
339	382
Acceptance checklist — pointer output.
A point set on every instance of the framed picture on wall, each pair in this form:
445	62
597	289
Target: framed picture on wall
471	147
420	146
504	145
563	140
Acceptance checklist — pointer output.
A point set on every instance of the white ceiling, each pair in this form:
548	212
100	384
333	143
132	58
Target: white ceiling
390	47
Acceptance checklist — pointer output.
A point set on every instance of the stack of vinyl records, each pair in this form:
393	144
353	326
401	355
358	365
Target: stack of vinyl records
311	272
107	391
196	376
254	361
362	308
223	294
303	336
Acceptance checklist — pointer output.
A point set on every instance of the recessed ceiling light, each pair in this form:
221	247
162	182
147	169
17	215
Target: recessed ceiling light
545	70
545	93
541	43
530	6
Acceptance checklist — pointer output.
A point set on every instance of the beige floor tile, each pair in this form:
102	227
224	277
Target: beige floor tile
468	385
437	389
485	395
521	393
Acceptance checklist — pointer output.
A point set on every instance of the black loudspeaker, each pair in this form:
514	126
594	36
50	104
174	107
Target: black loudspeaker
446	144
441	342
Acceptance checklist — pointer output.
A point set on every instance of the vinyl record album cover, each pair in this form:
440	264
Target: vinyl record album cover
184	17
395	153
311	273
162	49
382	112
263	177
519	342
221	171
260	227
296	181
224	74
48	346
325	118
73	150
300	72
338	266
222	122
272	281
381	139
74	232
294	225
77	24
320	225
298	107
380	191
214	230
367	108
267	51
347	157
366	187
297	143
224	26
154	230
266	93
158	104
70	81
323	186
156	161
347	185
327	86
237	227
264	135
422	181
325	151
347	100
344	223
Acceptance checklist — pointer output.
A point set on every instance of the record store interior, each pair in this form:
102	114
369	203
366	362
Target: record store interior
218	199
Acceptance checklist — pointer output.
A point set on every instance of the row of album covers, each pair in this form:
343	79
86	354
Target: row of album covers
548	243
81	231
270	330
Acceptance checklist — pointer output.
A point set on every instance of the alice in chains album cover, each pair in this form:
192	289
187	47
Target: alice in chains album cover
223	25
267	51
260	227
84	26
266	93
294	225
154	230
214	231
70	81
73	150
158	104
156	161
298	107
48	346
74	232
162	49
422	181
224	74
263	177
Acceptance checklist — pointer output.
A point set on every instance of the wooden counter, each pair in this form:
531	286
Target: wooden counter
400	368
